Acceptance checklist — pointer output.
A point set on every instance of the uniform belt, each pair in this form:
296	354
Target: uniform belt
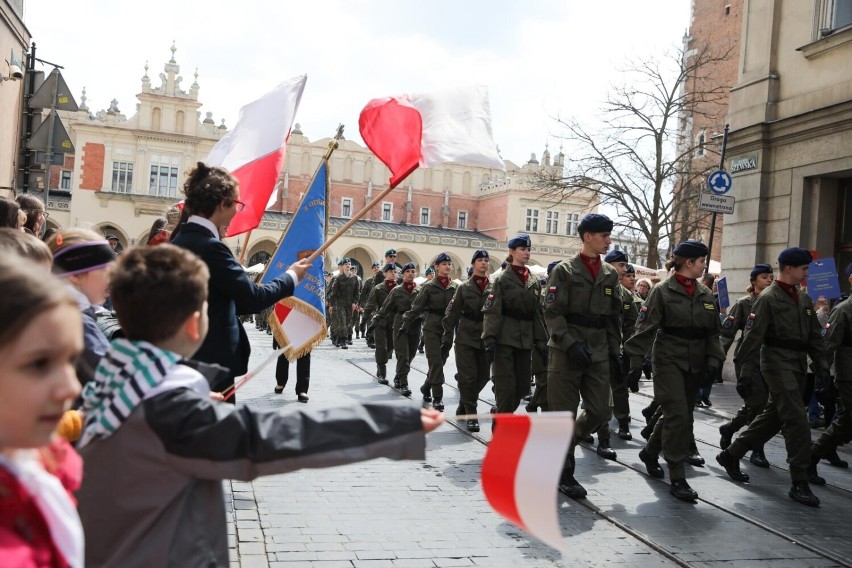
785	344
596	322
693	333
476	316
518	314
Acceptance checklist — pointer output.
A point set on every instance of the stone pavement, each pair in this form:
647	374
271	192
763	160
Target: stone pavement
432	514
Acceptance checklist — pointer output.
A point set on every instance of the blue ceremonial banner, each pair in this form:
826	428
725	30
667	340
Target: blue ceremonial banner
298	322
722	291
822	279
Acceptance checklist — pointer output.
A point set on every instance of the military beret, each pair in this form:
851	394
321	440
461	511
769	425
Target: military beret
595	223
616	256
110	237
760	269
484	254
341	262
522	240
376	264
551	266
443	257
388	267
408	266
389	252
631	269
691	249
795	256
429	271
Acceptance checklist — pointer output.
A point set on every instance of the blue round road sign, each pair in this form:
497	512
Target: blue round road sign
719	182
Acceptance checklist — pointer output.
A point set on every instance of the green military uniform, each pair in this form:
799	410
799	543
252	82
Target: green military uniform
780	334
583	311
684	332
382	331
393	308
366	288
464	319
512	322
343	292
838	337
354	314
429	307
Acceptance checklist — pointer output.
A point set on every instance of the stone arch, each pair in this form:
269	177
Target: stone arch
362	259
494	262
124	241
264	245
404	256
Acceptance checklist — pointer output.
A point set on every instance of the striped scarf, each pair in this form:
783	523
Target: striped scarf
126	373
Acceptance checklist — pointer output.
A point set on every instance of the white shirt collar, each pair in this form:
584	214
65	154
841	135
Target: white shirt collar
204	222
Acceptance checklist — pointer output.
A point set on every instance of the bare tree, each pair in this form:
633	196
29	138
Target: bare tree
638	159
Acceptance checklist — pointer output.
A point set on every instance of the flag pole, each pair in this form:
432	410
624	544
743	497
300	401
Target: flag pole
245	246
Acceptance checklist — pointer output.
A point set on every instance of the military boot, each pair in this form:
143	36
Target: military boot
693	458
652	465
646	432
813	476
726	431
647	412
833	459
801	492
604	450
567	483
396	382
624	429
758	458
349	340
438	404
426	391
681	490
381	373
732	466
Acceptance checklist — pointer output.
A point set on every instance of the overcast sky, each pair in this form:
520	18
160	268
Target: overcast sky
539	58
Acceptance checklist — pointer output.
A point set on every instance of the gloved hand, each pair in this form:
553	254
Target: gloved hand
401	331
445	350
822	382
580	355
543	351
490	352
616	374
633	376
744	386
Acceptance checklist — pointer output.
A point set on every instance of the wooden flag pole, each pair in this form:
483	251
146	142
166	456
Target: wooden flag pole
245	246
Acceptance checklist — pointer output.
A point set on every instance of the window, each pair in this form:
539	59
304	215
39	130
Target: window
164	176
387	211
424	215
552	222
700	143
65	180
346	208
842	13
571	222
462	222
532	220
122	177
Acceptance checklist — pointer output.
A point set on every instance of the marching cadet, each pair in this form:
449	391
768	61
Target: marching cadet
680	319
760	279
781	332
405	340
390	258
582	308
512	326
343	295
355	311
429	307
464	319
539	369
430	276
367	286
382	332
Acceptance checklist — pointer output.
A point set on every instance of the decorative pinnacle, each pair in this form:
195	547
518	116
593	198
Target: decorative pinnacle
173	49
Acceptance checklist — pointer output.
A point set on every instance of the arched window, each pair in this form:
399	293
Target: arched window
156	118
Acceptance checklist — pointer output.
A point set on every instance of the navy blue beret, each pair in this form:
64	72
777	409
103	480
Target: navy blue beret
631	269
522	240
408	266
429	271
595	223
479	254
388	267
795	256
443	257
551	265
760	269
691	249
616	256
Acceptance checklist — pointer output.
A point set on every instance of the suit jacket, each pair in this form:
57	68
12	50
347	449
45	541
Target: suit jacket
231	292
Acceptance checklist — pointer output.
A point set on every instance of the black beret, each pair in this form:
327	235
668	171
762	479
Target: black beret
616	256
443	257
551	266
376	263
388	267
631	269
342	261
522	240
484	254
111	237
595	223
691	249
408	266
795	256
760	269
390	252
429	271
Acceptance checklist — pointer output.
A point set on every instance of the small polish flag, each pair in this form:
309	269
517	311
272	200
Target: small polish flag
521	470
254	150
411	130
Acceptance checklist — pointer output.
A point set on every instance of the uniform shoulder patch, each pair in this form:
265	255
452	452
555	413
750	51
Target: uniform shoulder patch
809	312
643	313
728	323
489	301
608	290
709	306
750	323
626	306
551	295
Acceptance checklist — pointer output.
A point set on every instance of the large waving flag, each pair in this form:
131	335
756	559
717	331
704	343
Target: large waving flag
520	472
412	130
298	322
254	150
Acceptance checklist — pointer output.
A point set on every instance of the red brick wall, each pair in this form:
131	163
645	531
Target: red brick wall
92	167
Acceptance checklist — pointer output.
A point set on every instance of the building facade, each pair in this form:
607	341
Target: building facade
790	146
14	43
128	171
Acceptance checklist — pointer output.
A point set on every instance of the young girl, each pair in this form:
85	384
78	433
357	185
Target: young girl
40	338
82	258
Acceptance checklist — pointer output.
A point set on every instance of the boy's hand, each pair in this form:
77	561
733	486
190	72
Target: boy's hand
300	267
431	418
217	396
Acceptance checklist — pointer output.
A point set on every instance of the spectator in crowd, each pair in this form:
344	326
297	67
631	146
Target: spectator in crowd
36	215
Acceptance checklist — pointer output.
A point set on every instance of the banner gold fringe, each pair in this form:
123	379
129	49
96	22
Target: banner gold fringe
281	338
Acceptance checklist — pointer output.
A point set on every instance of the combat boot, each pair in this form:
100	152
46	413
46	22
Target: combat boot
681	490
396	382
833	459
726	431
652	465
605	451
404	390
567	483
801	492
624	429
732	466
426	391
646	432
813	476
693	458
473	425
758	458
438	404
381	373
349	340
647	412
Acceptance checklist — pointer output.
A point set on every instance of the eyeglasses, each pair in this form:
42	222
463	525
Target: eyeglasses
238	204
45	214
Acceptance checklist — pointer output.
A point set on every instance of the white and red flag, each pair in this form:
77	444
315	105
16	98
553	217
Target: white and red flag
411	130
521	470
254	150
